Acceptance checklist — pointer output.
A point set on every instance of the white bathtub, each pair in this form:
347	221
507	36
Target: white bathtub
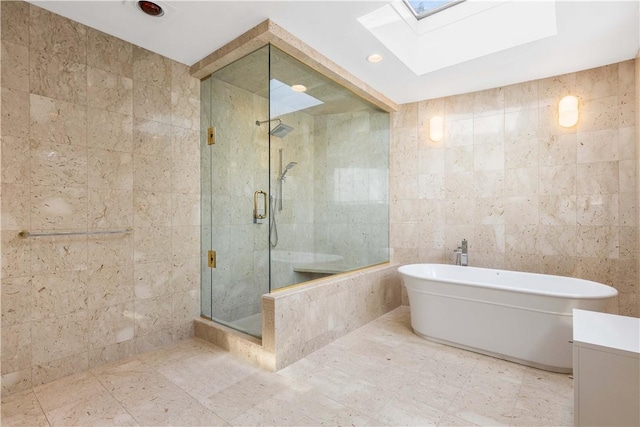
521	317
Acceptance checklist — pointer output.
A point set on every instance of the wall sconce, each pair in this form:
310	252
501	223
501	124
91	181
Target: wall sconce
436	128
568	111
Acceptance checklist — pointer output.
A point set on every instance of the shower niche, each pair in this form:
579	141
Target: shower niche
294	183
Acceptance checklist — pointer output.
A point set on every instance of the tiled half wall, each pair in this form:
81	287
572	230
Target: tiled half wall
302	319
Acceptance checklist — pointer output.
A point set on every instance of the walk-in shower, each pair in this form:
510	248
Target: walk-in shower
294	185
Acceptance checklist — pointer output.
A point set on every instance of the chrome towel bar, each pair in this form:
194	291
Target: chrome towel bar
24	234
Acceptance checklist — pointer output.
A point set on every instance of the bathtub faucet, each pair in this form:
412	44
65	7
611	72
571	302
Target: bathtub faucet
464	255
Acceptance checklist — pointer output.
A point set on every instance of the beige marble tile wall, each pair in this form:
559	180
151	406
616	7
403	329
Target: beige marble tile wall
97	134
526	193
296	219
638	169
351	186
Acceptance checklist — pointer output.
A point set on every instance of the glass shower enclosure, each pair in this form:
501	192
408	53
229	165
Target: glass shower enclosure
294	183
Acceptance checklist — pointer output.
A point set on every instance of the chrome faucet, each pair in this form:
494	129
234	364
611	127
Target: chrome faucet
462	255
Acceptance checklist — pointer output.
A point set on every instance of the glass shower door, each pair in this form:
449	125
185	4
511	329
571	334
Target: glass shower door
329	174
235	173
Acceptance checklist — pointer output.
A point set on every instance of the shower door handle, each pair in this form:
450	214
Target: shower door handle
259	213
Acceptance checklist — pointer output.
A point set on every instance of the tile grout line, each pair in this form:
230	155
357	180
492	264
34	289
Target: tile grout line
155	370
519	393
40	405
114	397
461	389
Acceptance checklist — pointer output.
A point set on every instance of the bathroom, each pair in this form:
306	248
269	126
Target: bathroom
124	124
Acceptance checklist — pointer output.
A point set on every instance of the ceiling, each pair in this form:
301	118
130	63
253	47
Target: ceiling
588	34
251	74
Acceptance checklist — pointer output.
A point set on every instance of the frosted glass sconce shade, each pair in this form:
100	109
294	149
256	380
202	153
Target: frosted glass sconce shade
436	128
568	111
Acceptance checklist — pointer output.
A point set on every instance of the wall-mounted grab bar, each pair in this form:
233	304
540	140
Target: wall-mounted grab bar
259	213
24	234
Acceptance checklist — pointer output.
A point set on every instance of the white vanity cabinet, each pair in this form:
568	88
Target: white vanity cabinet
606	369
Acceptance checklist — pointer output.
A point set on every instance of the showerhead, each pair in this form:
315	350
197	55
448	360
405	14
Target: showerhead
281	130
286	169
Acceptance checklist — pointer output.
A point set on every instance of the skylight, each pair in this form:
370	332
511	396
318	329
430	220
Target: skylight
424	8
459	34
284	99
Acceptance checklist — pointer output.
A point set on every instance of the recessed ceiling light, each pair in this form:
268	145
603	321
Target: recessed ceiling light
151	8
374	58
299	88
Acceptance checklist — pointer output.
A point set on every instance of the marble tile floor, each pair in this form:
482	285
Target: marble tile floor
380	374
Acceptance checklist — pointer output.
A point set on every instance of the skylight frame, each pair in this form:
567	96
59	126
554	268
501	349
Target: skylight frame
433	11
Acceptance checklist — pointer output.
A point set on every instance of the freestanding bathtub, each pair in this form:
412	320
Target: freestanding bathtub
521	317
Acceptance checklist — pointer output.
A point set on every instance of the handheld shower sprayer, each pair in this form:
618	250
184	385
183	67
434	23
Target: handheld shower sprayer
276	201
286	169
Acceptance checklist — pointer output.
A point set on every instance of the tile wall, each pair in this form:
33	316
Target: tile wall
296	234
351	187
638	175
97	134
527	194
